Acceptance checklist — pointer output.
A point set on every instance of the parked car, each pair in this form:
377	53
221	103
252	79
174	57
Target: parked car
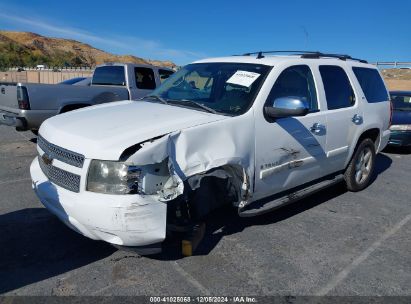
401	119
74	80
26	105
255	132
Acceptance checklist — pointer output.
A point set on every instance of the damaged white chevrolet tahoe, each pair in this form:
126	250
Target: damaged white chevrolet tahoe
256	131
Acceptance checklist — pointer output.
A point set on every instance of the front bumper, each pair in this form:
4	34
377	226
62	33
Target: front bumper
126	220
400	138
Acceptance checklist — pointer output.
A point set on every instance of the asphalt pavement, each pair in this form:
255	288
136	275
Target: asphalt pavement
332	243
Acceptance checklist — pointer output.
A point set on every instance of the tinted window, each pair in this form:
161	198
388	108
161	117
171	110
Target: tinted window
371	84
338	90
296	81
145	78
164	74
109	75
401	102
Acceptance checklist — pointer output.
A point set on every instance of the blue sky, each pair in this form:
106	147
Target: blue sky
183	31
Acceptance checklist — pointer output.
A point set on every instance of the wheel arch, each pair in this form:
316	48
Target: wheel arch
228	181
73	106
373	133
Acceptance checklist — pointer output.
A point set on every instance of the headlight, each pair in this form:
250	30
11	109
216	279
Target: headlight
112	177
400	128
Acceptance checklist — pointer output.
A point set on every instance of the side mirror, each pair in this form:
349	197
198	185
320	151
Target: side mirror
287	106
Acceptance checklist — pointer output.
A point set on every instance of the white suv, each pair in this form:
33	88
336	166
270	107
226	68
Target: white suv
256	131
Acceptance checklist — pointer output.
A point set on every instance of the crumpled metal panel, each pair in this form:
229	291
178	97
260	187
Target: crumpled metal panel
199	149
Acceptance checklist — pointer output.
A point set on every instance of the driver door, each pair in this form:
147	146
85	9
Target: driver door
290	151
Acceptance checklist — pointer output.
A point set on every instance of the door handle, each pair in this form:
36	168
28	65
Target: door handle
317	128
357	119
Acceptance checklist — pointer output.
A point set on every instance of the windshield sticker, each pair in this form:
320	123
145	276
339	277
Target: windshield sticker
243	78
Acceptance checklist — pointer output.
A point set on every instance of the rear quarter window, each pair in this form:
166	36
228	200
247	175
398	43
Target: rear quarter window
371	84
109	75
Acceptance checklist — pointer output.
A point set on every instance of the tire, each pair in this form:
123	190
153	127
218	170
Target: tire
361	167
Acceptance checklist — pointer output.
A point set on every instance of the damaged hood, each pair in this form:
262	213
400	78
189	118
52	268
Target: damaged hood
105	131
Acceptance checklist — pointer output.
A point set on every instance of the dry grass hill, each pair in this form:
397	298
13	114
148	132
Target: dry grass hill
398	79
29	49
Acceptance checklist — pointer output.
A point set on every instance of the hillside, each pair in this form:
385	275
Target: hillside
399	74
397	79
30	49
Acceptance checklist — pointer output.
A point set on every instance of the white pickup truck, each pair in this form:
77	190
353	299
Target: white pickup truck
256	131
26	105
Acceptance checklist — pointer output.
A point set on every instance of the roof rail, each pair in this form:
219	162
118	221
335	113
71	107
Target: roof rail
306	54
260	54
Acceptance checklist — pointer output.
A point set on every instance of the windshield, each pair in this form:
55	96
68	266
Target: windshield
225	88
401	102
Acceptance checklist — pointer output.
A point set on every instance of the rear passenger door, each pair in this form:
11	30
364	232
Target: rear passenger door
344	115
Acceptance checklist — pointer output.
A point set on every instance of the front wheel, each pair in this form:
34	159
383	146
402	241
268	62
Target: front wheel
361	167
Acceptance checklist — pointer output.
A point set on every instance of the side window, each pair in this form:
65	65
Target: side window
109	75
371	84
164	74
145	78
338	90
296	81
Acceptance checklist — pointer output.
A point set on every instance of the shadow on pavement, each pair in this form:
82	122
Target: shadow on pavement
35	246
397	150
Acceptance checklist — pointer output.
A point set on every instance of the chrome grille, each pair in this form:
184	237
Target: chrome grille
60	177
56	152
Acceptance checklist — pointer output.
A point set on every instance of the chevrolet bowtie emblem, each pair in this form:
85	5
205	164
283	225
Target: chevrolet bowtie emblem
48	160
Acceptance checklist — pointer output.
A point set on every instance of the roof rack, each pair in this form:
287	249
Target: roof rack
306	54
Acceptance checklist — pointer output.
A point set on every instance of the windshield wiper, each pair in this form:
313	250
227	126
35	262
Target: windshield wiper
155	97
199	105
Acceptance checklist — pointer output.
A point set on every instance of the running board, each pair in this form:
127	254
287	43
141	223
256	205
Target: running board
264	206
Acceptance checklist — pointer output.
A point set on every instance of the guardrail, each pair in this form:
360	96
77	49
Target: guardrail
395	64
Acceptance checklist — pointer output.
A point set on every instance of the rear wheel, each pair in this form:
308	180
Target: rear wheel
361	167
